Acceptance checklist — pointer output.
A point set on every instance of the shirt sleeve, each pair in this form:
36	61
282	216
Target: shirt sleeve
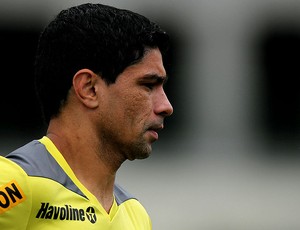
15	196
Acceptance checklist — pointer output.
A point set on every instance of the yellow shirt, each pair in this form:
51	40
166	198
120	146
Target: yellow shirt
38	190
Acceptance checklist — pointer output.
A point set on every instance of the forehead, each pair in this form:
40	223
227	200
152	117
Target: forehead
150	64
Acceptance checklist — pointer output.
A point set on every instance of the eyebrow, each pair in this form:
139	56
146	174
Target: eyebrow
155	77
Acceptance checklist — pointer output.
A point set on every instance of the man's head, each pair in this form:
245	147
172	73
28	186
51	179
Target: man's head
101	38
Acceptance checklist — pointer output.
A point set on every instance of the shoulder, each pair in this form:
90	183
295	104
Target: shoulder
15	186
37	159
15	194
125	198
10	171
15	167
29	157
121	195
134	209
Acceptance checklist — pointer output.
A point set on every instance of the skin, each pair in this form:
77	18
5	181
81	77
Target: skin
103	125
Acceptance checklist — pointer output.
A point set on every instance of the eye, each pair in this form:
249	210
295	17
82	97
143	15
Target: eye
149	85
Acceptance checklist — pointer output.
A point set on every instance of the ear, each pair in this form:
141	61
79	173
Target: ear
85	87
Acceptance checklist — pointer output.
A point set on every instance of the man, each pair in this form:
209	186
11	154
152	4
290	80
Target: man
99	78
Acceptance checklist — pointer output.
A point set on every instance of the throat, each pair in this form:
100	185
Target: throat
106	202
101	185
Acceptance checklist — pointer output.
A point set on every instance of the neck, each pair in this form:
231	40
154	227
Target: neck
91	165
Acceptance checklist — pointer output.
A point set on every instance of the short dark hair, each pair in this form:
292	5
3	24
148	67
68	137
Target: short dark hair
101	38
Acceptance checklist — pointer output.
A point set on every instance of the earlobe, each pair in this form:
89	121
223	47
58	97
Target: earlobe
85	87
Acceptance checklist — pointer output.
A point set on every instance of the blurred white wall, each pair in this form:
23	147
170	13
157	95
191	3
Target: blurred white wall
215	174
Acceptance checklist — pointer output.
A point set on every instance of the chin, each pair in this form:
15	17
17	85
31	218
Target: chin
141	157
139	150
140	153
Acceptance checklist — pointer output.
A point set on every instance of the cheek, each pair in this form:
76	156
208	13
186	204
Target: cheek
138	108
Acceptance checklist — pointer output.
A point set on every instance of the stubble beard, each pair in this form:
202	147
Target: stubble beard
139	150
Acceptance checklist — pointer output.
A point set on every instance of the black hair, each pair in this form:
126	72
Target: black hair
98	37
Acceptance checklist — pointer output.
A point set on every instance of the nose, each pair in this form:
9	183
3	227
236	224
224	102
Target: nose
163	106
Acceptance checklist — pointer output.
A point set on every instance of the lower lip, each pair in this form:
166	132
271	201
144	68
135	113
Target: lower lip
153	134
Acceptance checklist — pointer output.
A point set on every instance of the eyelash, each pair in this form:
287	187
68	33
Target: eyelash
149	85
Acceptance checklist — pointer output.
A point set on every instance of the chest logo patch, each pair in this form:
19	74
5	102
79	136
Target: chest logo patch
11	195
66	212
91	215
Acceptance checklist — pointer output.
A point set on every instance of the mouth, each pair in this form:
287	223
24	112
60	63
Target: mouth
153	130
